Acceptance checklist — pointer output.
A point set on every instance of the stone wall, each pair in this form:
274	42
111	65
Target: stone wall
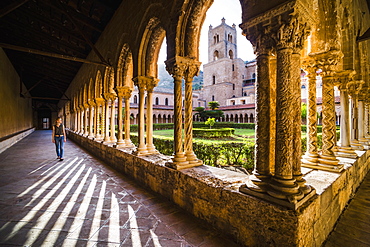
212	194
15	111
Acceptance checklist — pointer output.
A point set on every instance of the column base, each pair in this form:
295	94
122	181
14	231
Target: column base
179	162
302	184
363	141
356	145
310	159
141	151
286	202
329	163
192	159
91	136
258	182
346	152
151	149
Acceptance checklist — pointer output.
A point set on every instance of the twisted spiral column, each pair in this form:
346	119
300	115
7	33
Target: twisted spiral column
188	144
327	157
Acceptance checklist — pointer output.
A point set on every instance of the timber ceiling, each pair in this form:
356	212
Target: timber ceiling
56	27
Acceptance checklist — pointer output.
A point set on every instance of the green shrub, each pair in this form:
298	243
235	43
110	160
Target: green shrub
213	133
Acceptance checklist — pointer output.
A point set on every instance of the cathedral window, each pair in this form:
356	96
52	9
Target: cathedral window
233	67
156	101
214	40
230	38
213	80
135	99
166	101
254	75
215	55
213	98
231	54
233	86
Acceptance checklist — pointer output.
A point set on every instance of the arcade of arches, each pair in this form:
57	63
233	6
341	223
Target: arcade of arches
283	202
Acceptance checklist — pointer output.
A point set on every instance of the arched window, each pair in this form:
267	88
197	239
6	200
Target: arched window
213	80
166	101
231	54
245	94
214	40
254	75
230	38
233	67
135	99
303	86
156	101
233	86
215	55
218	38
213	98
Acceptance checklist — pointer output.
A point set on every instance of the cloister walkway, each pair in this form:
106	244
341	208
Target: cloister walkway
82	202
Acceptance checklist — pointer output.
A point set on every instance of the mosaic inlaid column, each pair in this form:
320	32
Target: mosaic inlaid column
140	82
92	127
310	158
113	138
192	70
150	84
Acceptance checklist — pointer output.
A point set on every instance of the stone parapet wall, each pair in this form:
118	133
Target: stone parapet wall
212	194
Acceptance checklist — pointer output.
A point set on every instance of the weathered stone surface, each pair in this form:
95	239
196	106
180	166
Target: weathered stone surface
212	194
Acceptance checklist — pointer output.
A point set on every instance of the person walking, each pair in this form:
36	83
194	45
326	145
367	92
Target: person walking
59	137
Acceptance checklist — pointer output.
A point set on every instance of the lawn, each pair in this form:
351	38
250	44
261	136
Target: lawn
241	135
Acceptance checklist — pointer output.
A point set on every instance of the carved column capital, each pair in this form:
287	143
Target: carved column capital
328	62
92	103
354	87
109	96
151	84
310	66
343	78
123	91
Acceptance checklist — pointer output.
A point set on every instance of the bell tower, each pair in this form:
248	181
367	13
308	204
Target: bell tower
222	42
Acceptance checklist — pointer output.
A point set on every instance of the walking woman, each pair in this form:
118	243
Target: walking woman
59	137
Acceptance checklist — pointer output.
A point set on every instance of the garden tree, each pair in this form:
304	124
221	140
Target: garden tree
303	110
210	122
201	112
213	105
214	114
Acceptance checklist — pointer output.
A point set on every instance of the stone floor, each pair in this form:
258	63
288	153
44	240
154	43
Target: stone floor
353	227
82	202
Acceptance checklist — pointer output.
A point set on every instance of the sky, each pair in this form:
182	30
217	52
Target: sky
231	11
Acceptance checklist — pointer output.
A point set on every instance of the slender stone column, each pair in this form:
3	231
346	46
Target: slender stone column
354	89
82	124
126	96
177	67
361	122
106	120
140	82
366	120
263	166
75	116
86	119
188	144
113	138
98	118
297	120
310	158
92	127
102	119
151	83
120	141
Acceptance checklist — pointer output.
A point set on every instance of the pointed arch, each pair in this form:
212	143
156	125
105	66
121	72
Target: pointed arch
108	83
149	48
125	67
98	85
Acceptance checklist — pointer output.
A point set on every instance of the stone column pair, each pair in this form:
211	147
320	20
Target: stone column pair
99	102
124	93
278	135
146	83
109	135
179	68
354	89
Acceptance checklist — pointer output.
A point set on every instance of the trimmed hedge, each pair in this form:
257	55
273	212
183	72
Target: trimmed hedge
213	133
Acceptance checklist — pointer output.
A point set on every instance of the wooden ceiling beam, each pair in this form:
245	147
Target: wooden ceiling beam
13	6
49	54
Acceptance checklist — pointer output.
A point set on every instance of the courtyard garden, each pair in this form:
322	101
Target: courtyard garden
234	152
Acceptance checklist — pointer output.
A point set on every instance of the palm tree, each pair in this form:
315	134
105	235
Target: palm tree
213	105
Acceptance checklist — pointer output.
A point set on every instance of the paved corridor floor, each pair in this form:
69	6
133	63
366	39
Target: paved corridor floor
82	202
353	227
